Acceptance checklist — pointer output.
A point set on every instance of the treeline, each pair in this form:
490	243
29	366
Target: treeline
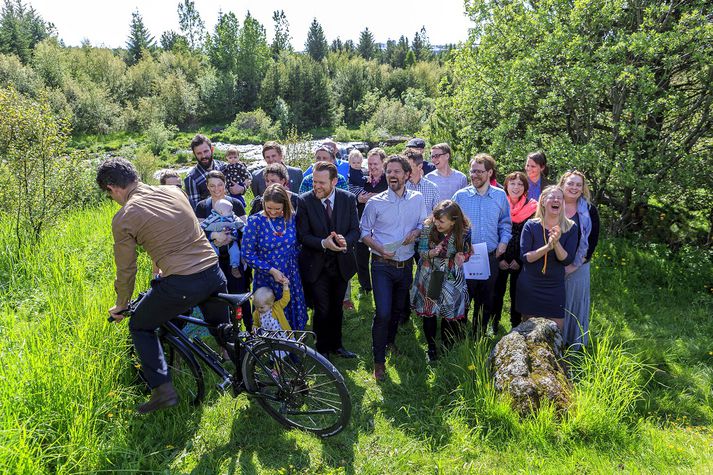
189	77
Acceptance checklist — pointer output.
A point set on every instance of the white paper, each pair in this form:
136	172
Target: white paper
478	266
392	246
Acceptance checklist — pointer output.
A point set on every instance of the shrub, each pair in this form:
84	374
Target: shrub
253	124
158	136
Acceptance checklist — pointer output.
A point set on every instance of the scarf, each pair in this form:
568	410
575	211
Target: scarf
585	226
522	210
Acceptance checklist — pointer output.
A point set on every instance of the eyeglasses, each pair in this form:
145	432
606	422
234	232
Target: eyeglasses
436	155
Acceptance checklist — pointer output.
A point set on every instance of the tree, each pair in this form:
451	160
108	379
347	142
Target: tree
191	24
421	46
252	60
337	46
139	40
619	90
222	46
172	41
282	40
316	45
21	28
366	46
40	180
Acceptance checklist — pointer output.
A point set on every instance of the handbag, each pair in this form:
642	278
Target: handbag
435	284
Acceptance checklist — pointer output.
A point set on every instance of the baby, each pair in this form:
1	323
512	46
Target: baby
356	172
236	172
222	219
268	314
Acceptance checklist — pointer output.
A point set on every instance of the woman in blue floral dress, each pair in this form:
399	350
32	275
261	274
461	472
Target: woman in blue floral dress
270	247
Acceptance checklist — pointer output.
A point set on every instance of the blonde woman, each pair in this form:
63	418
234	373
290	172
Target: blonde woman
578	208
547	245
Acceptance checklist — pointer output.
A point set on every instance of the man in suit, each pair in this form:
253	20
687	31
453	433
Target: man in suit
272	153
328	229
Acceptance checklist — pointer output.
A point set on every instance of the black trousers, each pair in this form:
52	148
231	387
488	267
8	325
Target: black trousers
499	296
327	294
480	292
362	258
451	331
168	298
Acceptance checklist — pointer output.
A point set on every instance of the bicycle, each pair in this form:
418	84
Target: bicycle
295	384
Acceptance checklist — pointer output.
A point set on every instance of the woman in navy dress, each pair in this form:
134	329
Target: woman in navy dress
547	245
270	247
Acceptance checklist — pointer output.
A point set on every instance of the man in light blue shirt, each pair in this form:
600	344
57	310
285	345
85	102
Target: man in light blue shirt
390	224
488	210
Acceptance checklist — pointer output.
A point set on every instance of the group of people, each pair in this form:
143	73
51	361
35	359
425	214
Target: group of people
308	233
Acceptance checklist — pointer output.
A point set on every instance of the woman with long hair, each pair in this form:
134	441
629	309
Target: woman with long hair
522	208
547	245
536	169
270	247
578	208
439	288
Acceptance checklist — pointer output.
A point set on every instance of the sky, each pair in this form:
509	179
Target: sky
107	22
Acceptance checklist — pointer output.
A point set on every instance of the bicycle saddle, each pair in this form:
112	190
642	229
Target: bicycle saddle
235	299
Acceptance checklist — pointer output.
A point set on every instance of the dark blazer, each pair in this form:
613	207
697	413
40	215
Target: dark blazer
312	227
258	184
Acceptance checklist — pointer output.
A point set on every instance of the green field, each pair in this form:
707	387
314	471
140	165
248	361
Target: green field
642	403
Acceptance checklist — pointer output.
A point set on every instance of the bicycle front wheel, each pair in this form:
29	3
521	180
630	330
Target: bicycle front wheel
297	386
186	374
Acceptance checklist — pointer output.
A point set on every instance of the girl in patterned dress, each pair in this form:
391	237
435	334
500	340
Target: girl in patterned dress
270	247
444	246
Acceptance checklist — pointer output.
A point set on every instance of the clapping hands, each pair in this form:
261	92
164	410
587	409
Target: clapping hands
554	238
335	242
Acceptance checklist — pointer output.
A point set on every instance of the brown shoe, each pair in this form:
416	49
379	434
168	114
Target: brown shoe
379	371
161	397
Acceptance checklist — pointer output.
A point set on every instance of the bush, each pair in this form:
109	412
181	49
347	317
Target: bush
396	118
253	126
158	136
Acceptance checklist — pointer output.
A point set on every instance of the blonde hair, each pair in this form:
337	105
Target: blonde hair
263	295
564	223
585	188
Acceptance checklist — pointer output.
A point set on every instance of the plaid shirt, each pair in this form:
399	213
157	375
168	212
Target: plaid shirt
195	185
429	190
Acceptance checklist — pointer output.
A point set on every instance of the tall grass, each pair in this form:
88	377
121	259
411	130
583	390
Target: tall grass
641	400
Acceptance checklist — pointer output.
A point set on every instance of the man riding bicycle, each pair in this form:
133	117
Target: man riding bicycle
161	220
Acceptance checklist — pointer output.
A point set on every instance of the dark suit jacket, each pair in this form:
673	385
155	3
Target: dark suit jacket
258	183
312	227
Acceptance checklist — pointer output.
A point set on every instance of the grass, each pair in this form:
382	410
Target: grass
642	401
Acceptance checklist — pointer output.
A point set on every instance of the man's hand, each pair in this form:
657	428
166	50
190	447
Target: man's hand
364	197
500	249
569	269
339	240
329	243
411	237
115	312
387	255
503	265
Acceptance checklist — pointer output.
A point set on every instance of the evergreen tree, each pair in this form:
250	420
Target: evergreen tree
281	41
21	28
139	40
191	24
349	46
252	60
222	46
337	46
366	46
421	46
172	41
316	45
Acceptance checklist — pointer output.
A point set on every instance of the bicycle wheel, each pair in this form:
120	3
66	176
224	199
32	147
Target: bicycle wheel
297	386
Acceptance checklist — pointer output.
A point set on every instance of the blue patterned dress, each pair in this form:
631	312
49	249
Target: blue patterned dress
264	249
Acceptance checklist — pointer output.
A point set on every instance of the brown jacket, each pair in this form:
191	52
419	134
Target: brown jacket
161	220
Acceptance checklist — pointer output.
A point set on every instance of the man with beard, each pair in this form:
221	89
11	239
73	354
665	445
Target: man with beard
488	210
328	229
195	182
390	224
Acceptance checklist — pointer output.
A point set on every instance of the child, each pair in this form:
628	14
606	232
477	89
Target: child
222	219
356	172
236	173
268	314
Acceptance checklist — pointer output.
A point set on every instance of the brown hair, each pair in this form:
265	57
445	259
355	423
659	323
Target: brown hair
405	165
215	174
517	176
484	159
415	156
322	166
168	174
278	194
377	151
276	169
449	209
539	158
271	145
443	147
200	139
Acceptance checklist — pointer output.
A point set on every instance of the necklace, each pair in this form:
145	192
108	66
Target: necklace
275	231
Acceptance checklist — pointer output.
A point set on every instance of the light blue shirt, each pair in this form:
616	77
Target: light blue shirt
429	190
489	215
388	219
448	185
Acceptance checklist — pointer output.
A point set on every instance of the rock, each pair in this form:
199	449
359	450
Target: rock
527	364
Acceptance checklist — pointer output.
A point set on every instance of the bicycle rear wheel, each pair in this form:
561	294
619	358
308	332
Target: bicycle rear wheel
297	386
185	372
